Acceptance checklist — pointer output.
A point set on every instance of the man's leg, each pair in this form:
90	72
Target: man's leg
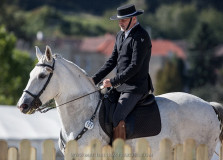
126	104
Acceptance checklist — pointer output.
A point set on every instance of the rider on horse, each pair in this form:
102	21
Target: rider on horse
130	56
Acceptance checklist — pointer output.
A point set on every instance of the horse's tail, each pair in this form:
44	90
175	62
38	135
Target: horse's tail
219	111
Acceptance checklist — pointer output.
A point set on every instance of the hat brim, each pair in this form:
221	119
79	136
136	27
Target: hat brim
115	17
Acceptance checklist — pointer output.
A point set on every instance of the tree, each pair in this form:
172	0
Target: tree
209	93
138	4
202	59
171	77
214	20
14	70
175	21
14	20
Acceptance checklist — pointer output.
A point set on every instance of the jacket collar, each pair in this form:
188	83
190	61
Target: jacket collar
127	32
134	30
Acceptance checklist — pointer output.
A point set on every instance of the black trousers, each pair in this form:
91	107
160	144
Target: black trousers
126	104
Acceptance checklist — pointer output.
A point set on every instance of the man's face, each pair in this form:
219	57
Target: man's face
123	23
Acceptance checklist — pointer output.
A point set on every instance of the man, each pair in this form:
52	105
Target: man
131	56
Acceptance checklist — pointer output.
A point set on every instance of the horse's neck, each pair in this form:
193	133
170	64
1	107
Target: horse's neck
74	81
75	84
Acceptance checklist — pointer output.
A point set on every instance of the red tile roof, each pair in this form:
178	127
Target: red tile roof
94	44
105	44
165	47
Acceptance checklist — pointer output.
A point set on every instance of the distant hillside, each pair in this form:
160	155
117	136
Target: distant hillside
91	6
98	7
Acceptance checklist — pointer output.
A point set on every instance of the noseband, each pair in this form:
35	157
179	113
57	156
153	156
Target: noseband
36	101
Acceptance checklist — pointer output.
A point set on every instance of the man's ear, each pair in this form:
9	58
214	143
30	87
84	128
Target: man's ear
39	54
48	54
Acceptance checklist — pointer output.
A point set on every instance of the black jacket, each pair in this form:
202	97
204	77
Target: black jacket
131	59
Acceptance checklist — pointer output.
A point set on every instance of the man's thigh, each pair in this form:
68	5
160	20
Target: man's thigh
126	104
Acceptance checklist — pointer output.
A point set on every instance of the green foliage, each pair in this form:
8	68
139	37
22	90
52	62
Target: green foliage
202	4
46	19
100	6
14	20
179	20
96	7
210	93
14	70
173	21
55	23
88	25
214	19
203	62
169	19
170	78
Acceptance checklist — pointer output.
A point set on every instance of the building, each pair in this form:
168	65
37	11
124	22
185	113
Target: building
90	53
161	50
15	126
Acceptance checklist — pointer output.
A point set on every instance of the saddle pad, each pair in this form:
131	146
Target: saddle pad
143	121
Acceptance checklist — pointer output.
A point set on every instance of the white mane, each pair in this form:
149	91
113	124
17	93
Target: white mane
58	56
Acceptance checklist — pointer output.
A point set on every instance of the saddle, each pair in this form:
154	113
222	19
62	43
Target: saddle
143	121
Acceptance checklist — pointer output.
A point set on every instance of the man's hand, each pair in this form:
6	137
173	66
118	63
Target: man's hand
106	83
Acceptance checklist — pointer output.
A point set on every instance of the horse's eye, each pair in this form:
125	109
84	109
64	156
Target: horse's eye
41	76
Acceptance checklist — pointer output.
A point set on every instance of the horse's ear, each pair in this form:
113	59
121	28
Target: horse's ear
48	54
39	54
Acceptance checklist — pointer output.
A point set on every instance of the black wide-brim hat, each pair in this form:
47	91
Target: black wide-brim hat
126	11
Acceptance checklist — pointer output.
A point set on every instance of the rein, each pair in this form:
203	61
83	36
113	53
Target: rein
45	108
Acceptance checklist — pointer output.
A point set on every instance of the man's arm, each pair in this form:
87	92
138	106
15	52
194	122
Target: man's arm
107	67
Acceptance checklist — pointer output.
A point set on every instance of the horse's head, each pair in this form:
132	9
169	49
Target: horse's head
42	85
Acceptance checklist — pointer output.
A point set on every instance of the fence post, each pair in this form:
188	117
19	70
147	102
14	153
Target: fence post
118	148
3	150
24	150
221	152
150	153
189	149
71	150
107	153
165	150
128	152
178	152
33	153
95	150
202	152
142	149
86	153
48	150
12	154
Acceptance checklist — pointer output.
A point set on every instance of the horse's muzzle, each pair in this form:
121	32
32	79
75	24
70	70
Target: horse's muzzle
24	108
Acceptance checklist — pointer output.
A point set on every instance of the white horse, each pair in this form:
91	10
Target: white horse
183	115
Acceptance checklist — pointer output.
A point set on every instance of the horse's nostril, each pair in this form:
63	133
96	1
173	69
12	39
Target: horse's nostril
24	106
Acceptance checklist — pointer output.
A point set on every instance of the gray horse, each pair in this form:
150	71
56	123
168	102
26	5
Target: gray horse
183	115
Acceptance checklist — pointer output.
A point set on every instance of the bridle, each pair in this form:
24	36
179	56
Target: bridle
36	101
37	104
